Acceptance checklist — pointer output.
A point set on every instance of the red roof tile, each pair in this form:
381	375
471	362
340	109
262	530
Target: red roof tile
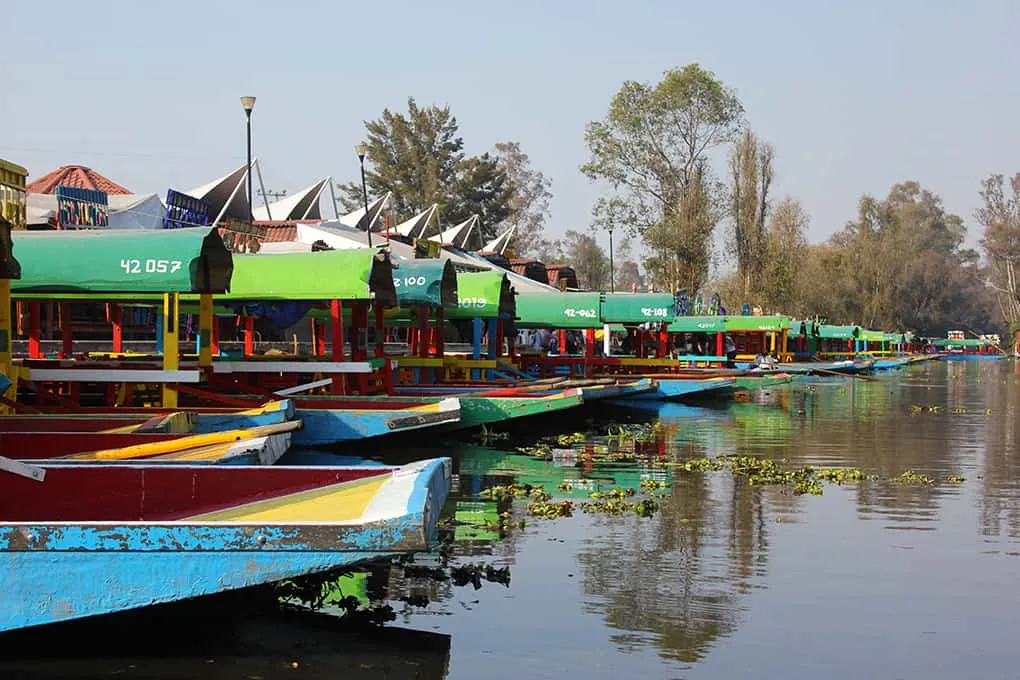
77	176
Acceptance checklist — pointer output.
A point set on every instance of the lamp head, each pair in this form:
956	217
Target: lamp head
361	150
248	103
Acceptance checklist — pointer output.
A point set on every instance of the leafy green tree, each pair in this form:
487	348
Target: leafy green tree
652	149
419	157
902	265
751	176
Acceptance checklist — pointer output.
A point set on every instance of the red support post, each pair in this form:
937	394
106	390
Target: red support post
589	351
563	341
440	346
66	330
117	324
214	337
663	343
380	339
249	335
34	330
336	327
424	332
719	346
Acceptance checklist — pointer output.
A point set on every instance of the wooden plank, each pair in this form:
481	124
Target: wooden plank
292	367
113	375
297	389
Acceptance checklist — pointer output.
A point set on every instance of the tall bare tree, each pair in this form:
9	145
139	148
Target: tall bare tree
1000	216
529	200
751	175
783	255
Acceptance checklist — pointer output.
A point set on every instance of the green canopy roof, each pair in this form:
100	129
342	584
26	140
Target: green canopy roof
838	332
486	294
10	268
558	310
965	342
871	336
757	323
426	282
358	274
698	324
123	261
637	307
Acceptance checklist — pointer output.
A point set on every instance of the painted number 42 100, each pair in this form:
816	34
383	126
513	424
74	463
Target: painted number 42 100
150	266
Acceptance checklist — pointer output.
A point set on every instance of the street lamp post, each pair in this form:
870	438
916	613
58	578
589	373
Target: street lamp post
612	269
248	103
362	151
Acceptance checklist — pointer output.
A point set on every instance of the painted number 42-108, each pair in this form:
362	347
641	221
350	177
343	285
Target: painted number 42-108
150	266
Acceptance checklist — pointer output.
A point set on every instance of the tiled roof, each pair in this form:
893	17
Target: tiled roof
77	176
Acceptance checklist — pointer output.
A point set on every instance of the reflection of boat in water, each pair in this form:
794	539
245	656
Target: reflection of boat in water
220	639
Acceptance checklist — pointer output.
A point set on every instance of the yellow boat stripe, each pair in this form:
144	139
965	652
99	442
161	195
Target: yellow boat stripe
334	503
182	443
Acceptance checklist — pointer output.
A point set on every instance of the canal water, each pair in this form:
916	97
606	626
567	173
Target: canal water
896	576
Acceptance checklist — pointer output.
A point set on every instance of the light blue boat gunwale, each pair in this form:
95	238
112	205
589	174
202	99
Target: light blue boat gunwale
57	571
329	426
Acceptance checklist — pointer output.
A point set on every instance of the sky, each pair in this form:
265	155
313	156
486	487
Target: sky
855	97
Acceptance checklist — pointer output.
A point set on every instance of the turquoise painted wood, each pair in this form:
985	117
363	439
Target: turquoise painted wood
669	389
57	571
329	426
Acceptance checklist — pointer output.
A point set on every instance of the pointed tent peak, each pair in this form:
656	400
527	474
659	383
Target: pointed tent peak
227	196
304	205
375	208
420	223
500	243
78	176
459	235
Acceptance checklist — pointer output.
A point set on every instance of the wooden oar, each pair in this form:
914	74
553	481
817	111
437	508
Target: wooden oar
993	344
845	375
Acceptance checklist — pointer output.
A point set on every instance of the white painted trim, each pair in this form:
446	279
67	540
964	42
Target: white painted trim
292	367
297	389
107	375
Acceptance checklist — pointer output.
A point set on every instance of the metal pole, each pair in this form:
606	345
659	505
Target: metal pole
364	200
251	198
612	268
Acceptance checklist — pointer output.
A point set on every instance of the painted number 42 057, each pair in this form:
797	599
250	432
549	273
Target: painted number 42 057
150	266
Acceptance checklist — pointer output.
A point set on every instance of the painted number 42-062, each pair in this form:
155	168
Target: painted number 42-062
150	266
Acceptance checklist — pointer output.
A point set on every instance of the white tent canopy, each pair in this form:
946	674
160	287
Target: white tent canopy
499	244
127	211
228	195
459	235
304	205
418	225
357	218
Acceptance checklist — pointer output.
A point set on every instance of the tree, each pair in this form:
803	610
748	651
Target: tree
419	158
652	149
589	261
529	198
681	243
902	265
1000	216
751	176
783	255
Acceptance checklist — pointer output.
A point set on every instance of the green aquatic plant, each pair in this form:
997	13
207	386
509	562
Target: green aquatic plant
956	479
648	485
911	477
551	510
487	437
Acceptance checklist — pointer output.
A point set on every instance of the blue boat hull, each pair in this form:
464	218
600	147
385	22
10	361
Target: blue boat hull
326	427
669	389
973	357
56	572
